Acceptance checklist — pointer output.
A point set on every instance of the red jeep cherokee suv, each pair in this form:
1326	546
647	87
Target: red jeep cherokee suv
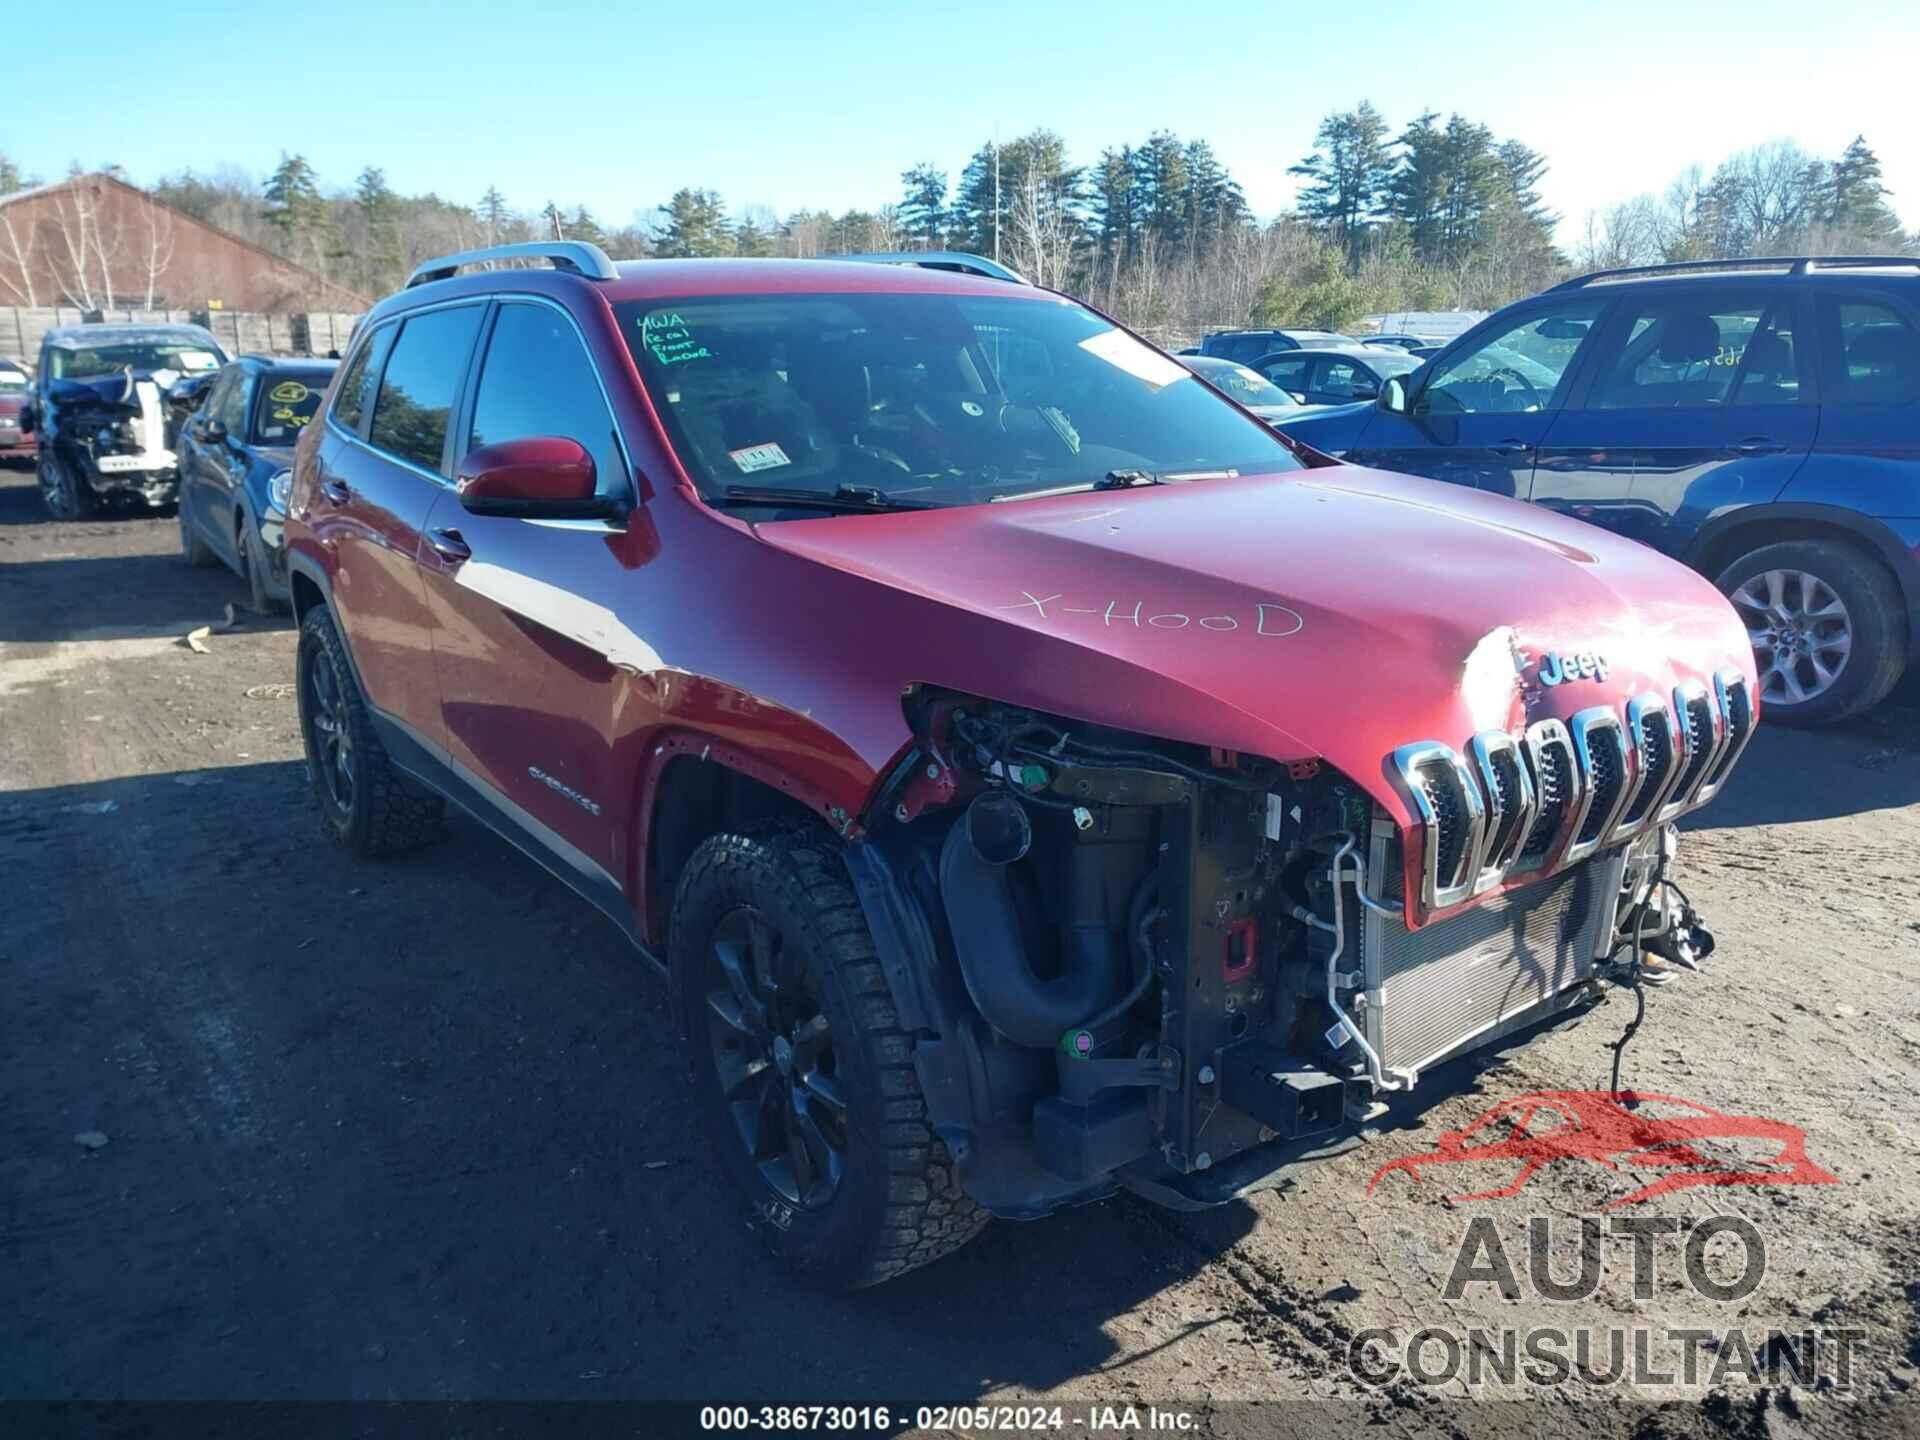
1035	776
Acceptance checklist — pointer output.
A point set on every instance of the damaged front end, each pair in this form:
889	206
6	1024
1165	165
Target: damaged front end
1138	963
116	434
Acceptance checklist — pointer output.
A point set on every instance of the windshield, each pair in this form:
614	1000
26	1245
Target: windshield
934	399
286	404
1249	387
92	361
11	380
1388	362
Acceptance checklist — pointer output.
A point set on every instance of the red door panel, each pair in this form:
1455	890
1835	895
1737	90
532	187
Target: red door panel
529	689
368	514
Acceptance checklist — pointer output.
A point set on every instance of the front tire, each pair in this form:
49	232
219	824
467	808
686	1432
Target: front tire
197	552
253	567
803	1073
65	494
1829	640
366	805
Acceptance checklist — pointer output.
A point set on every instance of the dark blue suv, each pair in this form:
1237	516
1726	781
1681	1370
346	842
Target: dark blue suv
1759	419
236	458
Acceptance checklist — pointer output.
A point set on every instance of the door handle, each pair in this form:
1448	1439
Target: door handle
1758	445
449	546
336	491
1510	447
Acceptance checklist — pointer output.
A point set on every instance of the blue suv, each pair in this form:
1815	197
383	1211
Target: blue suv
1758	419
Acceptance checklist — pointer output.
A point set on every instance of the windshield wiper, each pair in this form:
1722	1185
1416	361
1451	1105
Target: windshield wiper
1119	480
844	497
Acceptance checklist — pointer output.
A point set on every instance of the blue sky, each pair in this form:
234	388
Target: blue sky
790	104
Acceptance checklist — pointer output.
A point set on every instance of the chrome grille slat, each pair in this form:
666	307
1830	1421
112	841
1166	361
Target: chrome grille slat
1609	774
1510	804
1452	820
1702	733
1655	740
1735	700
1557	791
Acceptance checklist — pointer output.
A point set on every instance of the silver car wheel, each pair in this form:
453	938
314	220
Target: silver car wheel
1800	630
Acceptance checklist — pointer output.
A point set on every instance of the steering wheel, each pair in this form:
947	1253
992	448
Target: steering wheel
1533	392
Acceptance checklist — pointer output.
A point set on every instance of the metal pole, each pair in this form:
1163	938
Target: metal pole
996	194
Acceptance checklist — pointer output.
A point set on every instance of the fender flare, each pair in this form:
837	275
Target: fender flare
304	565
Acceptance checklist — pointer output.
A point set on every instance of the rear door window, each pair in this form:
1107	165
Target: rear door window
1673	351
355	396
1873	353
420	383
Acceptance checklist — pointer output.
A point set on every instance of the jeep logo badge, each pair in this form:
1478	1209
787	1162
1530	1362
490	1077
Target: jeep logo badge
1558	669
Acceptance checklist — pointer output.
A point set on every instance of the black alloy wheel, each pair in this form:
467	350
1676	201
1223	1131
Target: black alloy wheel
329	736
773	1050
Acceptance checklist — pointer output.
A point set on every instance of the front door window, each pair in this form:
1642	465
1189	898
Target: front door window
1516	370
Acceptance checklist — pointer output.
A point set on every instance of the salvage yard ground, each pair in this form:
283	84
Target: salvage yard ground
415	1129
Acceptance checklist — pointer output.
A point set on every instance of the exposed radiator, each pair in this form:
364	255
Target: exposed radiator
1434	991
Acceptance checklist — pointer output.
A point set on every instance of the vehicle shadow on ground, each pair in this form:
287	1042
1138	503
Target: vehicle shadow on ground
125	597
420	1128
1871	762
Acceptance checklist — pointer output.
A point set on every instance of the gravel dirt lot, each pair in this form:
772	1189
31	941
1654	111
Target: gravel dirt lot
415	1130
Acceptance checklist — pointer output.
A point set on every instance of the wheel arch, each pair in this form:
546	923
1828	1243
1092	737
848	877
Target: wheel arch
694	786
1724	539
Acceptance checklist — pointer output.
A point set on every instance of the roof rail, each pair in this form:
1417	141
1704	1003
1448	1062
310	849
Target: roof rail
1791	264
579	257
958	261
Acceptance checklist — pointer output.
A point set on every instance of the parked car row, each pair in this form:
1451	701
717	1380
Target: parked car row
160	416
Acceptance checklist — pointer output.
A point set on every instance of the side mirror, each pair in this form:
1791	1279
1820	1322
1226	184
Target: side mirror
1363	391
210	430
29	418
1394	396
543	477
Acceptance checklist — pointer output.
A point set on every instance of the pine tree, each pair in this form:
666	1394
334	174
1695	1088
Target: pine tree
695	225
750	239
923	207
292	195
1214	200
582	226
494	214
1116	203
1160	171
1351	173
379	211
1857	201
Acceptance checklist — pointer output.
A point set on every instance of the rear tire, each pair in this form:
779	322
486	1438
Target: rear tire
366	805
1829	635
66	496
826	1131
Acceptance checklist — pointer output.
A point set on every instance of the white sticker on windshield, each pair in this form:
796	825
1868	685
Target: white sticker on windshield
759	457
199	360
1116	347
